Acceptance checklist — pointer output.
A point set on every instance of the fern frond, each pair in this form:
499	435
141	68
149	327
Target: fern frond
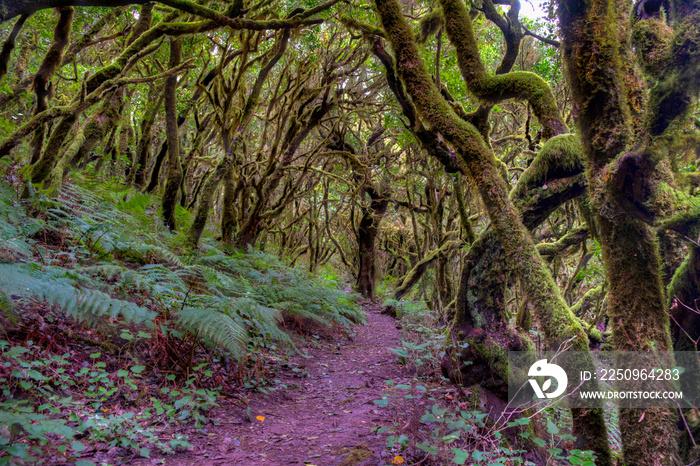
89	305
105	271
218	327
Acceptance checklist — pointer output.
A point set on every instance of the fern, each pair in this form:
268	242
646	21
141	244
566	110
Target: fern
15	228
231	301
18	282
221	329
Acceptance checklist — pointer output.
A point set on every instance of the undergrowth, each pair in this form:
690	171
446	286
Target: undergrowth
455	427
113	330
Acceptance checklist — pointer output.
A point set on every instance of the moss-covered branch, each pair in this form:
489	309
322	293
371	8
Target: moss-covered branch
559	157
9	44
415	274
574	237
585	303
76	107
493	89
11	8
241	23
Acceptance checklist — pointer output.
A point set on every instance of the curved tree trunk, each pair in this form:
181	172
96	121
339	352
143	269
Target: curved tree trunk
42	87
9	44
205	200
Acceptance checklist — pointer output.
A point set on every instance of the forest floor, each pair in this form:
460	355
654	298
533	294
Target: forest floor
327	413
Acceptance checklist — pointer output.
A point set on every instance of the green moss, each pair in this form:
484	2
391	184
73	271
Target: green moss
357	455
475	401
595	335
559	156
495	355
574	237
651	38
591	296
430	24
493	89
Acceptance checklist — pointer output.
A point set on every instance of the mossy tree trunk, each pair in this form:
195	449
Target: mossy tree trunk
9	44
559	164
172	185
557	321
367	232
42	87
623	147
137	175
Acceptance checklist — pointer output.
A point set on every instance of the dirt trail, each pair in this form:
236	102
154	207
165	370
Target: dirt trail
324	416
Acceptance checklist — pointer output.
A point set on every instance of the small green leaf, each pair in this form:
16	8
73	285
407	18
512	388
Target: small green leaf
400	352
18	449
437	411
552	428
460	456
77	446
35	375
451	437
16	351
426	447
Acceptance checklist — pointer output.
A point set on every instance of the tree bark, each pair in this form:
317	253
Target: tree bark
367	232
42	86
557	321
622	151
11	8
9	44
172	185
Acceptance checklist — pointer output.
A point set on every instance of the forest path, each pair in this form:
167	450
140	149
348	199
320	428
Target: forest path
323	418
